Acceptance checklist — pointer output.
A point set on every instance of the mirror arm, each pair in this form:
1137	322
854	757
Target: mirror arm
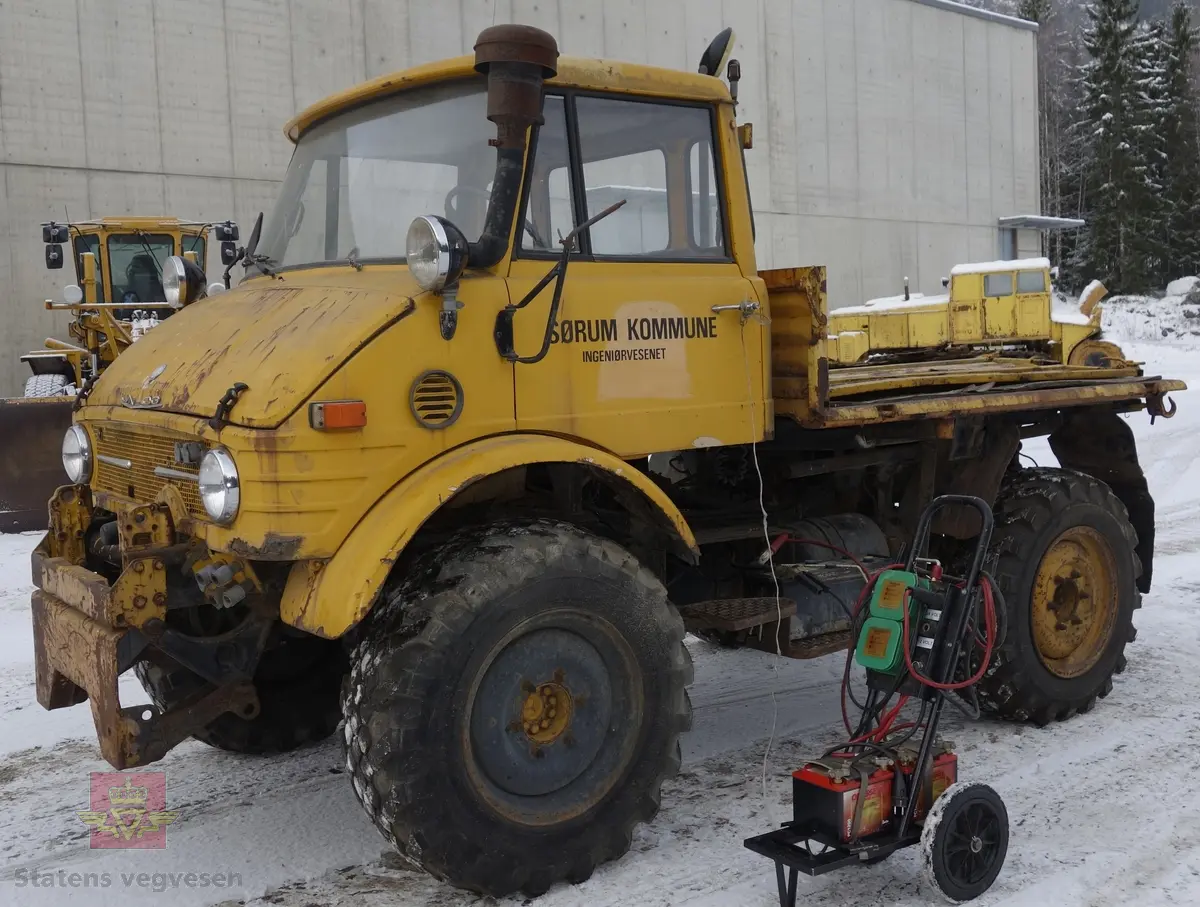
504	318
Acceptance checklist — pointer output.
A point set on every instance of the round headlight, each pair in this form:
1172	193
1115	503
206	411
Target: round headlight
72	294
428	253
77	455
175	281
220	491
436	252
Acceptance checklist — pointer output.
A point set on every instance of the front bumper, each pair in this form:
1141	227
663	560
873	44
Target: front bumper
87	632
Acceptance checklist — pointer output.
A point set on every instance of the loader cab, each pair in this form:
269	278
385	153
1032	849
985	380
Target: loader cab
1007	300
129	253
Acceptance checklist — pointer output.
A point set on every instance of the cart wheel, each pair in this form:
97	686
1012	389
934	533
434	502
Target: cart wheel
965	840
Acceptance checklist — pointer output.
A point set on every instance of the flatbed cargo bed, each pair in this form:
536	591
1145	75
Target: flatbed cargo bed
911	386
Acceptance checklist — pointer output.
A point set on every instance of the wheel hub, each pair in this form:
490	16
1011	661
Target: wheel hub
1074	601
546	713
976	844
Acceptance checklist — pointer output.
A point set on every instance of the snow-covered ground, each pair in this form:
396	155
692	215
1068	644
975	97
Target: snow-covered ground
1102	807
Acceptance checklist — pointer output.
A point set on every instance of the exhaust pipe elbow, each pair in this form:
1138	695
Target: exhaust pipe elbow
517	60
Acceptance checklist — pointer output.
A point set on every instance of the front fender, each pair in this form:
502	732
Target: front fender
329	596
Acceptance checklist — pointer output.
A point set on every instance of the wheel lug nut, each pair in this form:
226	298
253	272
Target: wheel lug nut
545	723
551	713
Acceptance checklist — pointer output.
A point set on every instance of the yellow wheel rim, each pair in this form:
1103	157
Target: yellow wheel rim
546	713
1074	602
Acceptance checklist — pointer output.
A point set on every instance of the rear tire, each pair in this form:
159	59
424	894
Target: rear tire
50	385
514	706
1067	571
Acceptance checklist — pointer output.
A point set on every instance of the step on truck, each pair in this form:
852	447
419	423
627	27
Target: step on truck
502	408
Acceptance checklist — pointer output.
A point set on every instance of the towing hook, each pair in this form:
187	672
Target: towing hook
1154	406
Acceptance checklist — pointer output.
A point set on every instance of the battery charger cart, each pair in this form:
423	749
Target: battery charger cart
927	637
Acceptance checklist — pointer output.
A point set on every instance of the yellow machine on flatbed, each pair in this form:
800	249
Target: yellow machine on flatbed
464	493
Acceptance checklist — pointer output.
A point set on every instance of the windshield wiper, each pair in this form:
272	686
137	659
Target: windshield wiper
264	263
352	259
141	235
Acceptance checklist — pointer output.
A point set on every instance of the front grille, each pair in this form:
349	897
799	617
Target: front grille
145	451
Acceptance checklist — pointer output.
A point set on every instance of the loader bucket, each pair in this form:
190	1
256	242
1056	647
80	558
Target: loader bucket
31	433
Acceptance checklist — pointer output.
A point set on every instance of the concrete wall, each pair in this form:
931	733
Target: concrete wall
891	134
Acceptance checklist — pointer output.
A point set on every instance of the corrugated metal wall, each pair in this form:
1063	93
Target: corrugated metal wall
890	134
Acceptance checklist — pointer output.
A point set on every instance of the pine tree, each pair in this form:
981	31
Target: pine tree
1114	177
1180	172
1148	208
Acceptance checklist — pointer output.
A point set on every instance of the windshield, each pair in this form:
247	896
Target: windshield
356	181
135	261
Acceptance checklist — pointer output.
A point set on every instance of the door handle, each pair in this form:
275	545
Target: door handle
747	307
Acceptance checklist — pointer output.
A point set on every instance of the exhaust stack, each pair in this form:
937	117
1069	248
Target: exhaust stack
517	59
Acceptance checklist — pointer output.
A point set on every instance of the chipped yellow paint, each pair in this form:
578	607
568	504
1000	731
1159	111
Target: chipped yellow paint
328	597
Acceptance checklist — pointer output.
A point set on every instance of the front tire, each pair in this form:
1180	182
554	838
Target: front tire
514	706
49	385
1067	571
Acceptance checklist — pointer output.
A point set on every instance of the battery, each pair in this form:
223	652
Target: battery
945	773
825	800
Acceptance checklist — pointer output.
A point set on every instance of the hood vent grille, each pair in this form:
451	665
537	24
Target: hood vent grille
436	399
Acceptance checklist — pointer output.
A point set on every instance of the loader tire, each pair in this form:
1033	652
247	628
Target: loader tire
1067	571
514	706
50	385
297	682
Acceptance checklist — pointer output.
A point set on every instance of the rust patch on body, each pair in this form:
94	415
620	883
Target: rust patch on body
275	547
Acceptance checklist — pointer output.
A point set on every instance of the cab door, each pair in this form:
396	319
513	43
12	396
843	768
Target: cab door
657	345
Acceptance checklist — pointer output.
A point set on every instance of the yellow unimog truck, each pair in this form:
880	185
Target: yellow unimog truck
477	433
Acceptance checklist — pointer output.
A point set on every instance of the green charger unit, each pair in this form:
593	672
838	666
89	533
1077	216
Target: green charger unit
879	644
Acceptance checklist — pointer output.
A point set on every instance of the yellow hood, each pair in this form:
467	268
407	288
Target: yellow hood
283	339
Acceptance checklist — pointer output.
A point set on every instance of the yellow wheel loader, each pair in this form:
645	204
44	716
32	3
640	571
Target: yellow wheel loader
492	421
118	296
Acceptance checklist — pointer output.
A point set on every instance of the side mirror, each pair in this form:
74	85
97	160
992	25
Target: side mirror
945	282
714	56
55	233
227	232
228	252
1054	273
54	256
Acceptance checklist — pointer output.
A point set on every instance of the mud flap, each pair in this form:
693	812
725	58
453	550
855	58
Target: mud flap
1101	444
30	461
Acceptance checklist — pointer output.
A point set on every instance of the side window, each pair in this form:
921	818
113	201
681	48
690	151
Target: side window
193	242
90	243
1031	281
998	285
658	158
548	214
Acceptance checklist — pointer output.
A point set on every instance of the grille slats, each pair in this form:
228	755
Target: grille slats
436	399
145	451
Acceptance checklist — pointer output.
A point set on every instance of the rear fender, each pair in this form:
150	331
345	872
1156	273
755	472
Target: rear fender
327	597
1101	444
